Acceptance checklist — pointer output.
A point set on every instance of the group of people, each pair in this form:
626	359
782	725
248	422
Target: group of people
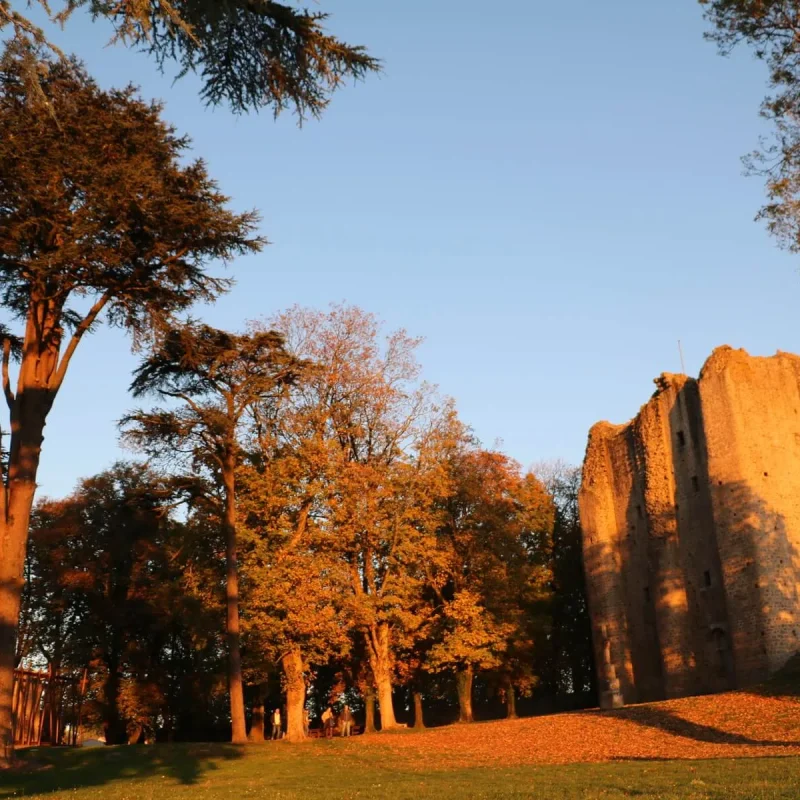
330	721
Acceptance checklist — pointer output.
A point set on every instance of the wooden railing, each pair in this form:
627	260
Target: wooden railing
47	707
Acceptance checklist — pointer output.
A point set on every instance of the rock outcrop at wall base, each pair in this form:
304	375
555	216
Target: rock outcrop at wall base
691	520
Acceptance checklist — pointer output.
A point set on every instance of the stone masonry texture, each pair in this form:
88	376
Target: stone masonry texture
691	521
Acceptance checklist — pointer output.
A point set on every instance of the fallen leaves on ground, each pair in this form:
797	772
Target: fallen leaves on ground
738	724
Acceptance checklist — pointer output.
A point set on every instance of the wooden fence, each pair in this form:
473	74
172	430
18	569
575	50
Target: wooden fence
47	707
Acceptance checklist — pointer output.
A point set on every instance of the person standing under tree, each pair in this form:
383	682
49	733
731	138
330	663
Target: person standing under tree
346	718
328	722
306	722
276	724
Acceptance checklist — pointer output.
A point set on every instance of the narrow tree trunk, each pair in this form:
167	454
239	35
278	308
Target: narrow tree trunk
464	685
134	733
235	684
292	664
511	702
113	726
369	710
257	725
378	644
419	721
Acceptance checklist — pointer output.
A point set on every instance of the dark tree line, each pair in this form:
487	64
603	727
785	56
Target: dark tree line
119	583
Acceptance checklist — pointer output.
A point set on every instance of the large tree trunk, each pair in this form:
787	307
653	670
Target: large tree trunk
369	710
39	379
511	702
380	660
464	685
13	541
257	724
28	413
235	683
419	721
292	664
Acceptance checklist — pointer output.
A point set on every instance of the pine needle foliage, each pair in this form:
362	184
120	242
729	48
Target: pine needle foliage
250	54
100	220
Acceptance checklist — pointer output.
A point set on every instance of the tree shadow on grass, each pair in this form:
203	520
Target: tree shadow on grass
669	722
42	770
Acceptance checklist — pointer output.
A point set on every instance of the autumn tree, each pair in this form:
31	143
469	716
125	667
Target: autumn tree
103	590
374	414
100	220
214	379
772	29
496	539
249	54
293	584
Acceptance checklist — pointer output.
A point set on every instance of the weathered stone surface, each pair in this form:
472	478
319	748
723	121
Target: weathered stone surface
691	519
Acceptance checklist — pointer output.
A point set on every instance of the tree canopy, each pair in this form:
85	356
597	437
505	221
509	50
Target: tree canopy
217	378
337	506
250	54
772	29
101	219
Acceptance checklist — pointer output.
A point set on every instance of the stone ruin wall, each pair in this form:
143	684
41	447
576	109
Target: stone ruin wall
691	519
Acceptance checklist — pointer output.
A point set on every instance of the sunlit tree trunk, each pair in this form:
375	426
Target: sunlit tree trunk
419	721
13	539
292	664
235	683
28	413
464	685
380	659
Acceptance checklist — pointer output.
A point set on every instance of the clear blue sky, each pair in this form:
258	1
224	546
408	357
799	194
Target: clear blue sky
551	194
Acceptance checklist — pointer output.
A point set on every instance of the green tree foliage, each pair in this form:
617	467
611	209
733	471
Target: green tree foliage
772	29
568	665
101	219
250	54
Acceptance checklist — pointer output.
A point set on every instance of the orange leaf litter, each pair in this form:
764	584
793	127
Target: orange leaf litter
738	724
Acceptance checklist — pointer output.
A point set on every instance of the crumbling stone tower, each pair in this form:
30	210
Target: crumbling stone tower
691	520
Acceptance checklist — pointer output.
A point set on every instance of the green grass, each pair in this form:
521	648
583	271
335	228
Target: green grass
327	770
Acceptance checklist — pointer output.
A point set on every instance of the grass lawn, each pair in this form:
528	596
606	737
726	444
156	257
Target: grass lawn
339	769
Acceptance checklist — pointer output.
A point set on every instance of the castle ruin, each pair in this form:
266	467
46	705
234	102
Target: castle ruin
691	520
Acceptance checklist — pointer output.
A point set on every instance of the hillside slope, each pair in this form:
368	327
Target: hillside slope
764	721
